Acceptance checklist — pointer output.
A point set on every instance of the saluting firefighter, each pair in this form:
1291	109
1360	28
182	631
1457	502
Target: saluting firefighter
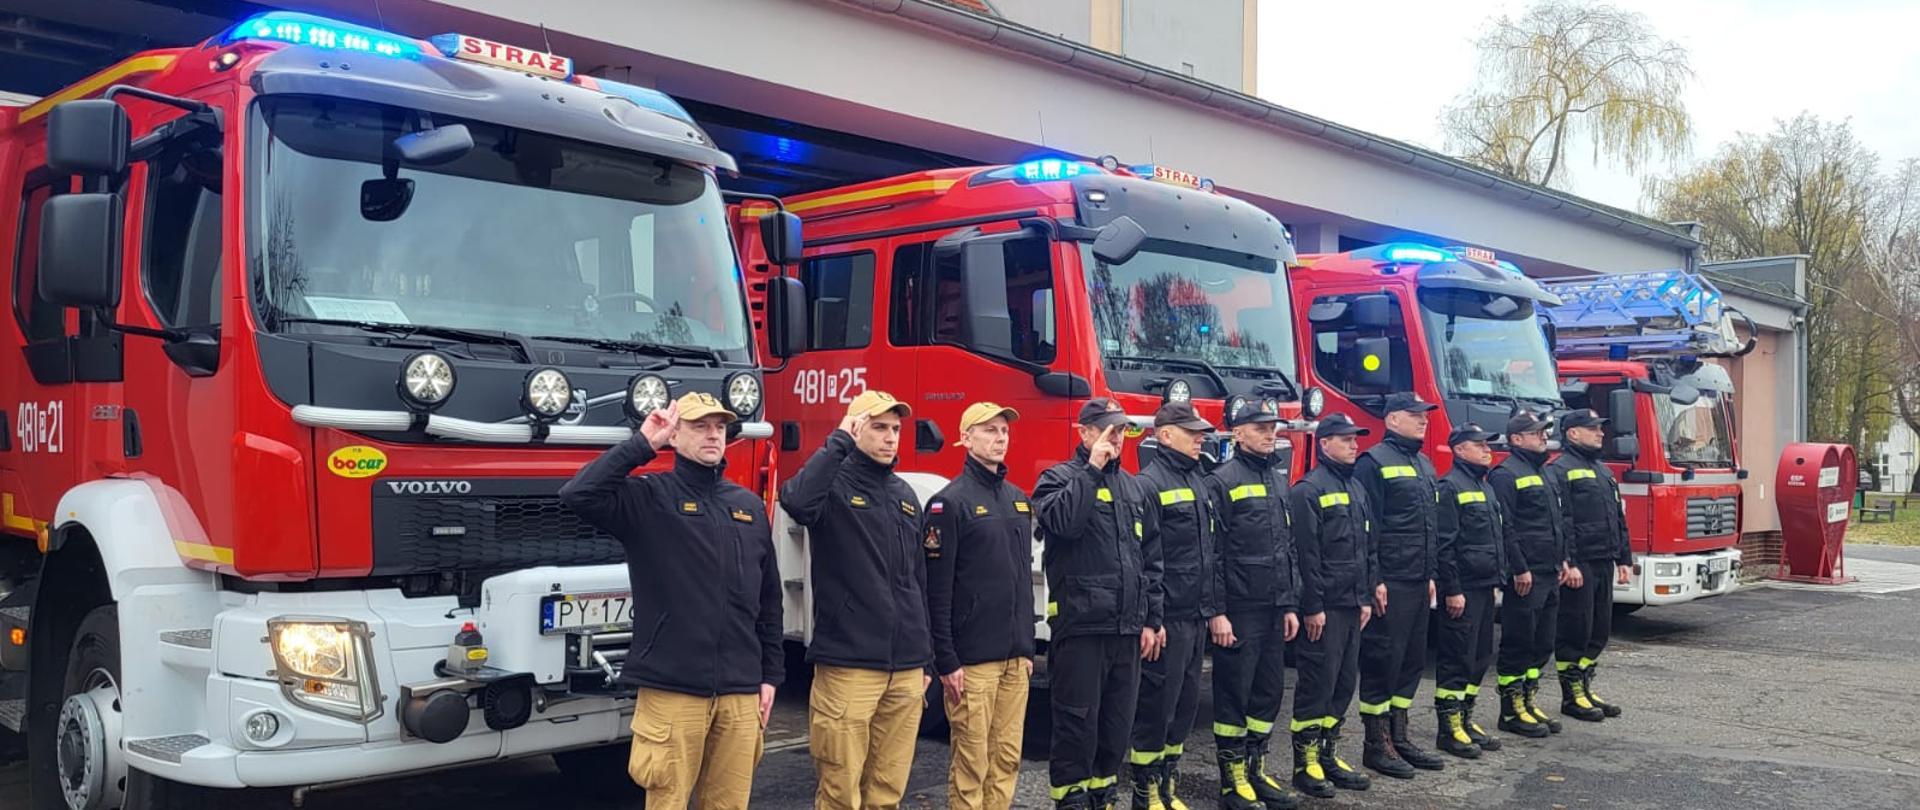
979	547
701	560
1262	599
1170	683
870	649
1102	559
1470	563
1596	531
1332	531
1400	484
1537	562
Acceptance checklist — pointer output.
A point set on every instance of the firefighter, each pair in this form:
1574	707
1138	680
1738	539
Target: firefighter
698	546
1537	562
1596	531
979	548
1102	559
1469	563
1400	484
871	649
1170	684
1332	531
1261	593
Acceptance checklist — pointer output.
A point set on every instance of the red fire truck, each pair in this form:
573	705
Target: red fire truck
1636	348
1081	279
311	322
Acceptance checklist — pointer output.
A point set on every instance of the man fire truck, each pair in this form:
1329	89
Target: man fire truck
1636	348
311	322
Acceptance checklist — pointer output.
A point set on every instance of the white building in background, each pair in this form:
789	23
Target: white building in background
1897	459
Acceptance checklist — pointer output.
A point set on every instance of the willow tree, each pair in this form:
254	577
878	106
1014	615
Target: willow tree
1566	74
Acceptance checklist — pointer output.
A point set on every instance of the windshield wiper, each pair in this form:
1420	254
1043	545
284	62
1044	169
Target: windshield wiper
669	350
1176	362
1292	391
406	330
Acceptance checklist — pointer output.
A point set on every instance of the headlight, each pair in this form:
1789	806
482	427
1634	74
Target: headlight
1236	404
1314	401
645	394
743	394
426	380
548	394
1179	390
1666	569
322	665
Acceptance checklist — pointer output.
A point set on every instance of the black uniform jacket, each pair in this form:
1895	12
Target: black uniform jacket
1332	529
979	546
1100	550
1188	551
1468	548
1400	484
1531	506
1256	533
1596	523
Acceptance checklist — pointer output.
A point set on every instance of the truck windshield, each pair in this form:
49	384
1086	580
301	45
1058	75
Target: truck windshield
1696	435
1483	347
1178	302
524	233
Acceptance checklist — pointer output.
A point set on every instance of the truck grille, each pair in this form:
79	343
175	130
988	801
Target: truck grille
1712	517
481	525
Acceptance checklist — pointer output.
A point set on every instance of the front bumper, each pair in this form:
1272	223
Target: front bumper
1671	579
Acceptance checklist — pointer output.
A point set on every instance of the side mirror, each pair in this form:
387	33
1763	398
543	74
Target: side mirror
1574	391
1373	311
1552	332
1623	447
1119	240
429	147
786	317
80	250
90	136
1684	394
1622	416
780	237
1372	369
985	323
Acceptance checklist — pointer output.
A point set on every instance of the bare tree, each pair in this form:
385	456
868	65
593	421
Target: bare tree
1565	72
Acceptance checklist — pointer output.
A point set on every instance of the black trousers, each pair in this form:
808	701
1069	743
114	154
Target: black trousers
1250	677
1527	625
1465	646
1094	681
1586	616
1393	649
1329	669
1169	694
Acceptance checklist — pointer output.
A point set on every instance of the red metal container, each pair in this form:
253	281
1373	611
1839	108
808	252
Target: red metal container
1815	490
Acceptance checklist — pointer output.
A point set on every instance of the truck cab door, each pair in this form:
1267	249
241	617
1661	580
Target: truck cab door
43	402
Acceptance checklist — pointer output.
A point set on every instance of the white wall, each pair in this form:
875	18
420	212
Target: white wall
1897	459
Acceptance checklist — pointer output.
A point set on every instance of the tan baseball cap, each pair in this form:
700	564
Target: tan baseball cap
980	412
872	403
700	405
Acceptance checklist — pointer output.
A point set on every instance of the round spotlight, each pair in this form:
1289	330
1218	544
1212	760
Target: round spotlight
547	395
1271	406
1109	162
1236	405
743	394
426	380
1314	402
647	393
1179	391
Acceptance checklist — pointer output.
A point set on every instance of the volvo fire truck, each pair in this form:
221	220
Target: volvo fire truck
310	323
1638	349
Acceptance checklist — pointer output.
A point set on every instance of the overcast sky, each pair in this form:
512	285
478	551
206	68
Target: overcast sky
1390	66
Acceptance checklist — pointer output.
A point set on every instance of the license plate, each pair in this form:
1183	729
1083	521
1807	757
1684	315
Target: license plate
1719	566
586	613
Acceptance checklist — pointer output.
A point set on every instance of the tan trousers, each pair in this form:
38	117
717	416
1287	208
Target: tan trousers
864	723
987	724
685	745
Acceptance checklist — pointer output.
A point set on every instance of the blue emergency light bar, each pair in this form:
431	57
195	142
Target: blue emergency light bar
1405	253
1049	169
295	28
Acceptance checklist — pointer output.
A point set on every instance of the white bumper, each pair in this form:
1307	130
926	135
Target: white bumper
1670	579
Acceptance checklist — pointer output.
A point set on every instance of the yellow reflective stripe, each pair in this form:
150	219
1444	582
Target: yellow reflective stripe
1104	494
1259	726
1175	750
1401	471
1298	726
1575	475
1375	708
1099	782
1053	609
1472	497
1473	689
1585	662
1449	694
1224	730
1402	702
1245	491
1169	497
1144	757
1059	792
1139	530
1334	499
1526	481
1533	674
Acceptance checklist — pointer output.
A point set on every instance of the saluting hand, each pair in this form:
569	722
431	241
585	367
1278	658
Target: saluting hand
1105	449
658	427
852	424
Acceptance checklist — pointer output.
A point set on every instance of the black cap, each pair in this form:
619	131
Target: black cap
1408	401
1337	424
1470	432
1253	413
1180	415
1103	412
1585	417
1527	422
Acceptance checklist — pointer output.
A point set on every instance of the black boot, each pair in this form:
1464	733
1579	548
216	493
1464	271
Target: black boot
1379	754
1146	787
1515	718
1236	793
1101	798
1586	682
1573	698
1452	737
1309	770
1076	798
1169	781
1403	744
1487	742
1532	693
1342	775
1266	788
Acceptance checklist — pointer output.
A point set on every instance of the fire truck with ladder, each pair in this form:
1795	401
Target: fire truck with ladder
1637	348
310	322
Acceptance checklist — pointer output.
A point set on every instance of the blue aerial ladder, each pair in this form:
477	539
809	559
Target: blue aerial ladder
1643	316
